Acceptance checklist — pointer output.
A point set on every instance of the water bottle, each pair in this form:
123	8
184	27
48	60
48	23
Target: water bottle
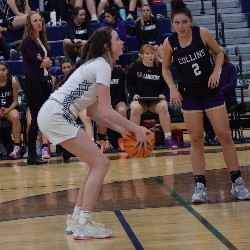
122	13
53	18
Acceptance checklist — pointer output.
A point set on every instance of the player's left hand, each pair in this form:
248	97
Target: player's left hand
214	80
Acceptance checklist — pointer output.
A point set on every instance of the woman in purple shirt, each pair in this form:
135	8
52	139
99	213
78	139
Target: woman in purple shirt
111	20
36	60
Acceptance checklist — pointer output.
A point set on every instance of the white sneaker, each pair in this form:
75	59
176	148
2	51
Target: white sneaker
200	194
72	224
130	17
91	230
239	189
45	153
16	153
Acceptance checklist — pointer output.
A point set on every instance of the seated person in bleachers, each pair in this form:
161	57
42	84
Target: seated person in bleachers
148	30
119	103
16	12
4	46
111	20
132	8
103	4
145	80
91	6
228	82
79	30
9	102
60	8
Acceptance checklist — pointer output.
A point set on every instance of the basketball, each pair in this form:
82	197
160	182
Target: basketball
129	140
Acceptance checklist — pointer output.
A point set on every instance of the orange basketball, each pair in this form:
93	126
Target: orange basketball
129	140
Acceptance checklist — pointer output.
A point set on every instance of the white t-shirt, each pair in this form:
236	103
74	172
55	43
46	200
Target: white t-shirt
79	91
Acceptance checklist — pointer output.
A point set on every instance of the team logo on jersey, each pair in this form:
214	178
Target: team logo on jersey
192	57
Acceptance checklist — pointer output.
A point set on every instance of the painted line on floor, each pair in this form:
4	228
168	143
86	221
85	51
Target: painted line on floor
128	230
198	216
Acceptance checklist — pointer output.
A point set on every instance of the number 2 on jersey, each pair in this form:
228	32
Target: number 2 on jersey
196	68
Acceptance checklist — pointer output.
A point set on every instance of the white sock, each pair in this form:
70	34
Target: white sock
168	135
84	217
76	213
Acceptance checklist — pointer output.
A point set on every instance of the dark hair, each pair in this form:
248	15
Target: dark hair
76	11
111	11
4	64
65	60
94	47
179	7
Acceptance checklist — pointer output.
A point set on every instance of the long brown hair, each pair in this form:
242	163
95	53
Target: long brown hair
29	32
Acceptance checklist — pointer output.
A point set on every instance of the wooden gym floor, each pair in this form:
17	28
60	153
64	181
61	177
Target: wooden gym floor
146	202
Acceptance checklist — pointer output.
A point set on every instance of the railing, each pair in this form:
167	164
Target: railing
239	66
222	30
214	4
202	7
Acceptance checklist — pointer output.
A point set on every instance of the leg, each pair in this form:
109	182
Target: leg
137	109
92	10
220	123
197	140
101	6
78	3
18	22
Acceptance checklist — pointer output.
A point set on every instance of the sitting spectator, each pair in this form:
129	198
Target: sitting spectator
9	102
132	8
111	19
228	82
148	30
145	80
103	4
119	103
90	6
79	31
60	8
4	46
16	12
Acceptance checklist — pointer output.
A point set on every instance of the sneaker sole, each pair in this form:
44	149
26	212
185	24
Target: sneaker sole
199	201
46	157
240	198
91	237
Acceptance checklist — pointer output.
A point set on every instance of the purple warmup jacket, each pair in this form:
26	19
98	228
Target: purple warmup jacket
31	64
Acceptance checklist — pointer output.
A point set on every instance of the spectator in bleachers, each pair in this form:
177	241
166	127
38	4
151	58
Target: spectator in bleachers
145	80
79	30
118	102
148	30
16	12
91	6
8	106
132	8
60	8
4	46
103	4
111	19
35	51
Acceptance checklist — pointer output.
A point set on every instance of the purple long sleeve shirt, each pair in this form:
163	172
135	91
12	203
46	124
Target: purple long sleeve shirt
119	26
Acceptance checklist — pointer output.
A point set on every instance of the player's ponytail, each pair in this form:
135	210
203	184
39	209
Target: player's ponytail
179	7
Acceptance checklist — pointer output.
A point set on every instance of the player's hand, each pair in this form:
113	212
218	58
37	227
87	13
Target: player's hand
214	80
142	139
175	98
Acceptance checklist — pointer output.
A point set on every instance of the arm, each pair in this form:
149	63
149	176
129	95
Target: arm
13	7
27	7
108	113
231	79
209	40
175	96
